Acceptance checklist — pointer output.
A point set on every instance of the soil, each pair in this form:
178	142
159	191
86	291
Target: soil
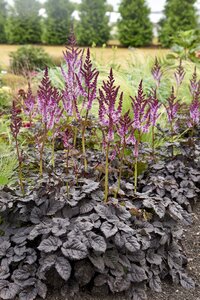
191	245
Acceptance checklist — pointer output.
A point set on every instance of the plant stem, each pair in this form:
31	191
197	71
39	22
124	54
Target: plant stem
53	149
67	166
136	174
20	167
83	141
153	141
107	173
42	149
120	170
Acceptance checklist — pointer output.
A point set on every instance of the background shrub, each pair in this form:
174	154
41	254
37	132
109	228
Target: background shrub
93	25
29	58
179	15
135	28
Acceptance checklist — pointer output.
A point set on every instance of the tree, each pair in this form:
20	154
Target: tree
135	27
3	14
93	25
58	23
23	24
180	15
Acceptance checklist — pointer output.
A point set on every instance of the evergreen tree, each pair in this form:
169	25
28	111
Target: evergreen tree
23	24
135	27
3	13
180	15
58	23
93	25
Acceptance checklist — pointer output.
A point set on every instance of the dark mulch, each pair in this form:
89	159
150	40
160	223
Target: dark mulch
191	245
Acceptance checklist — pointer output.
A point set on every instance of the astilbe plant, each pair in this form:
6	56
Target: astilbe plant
109	115
154	114
172	108
141	123
157	73
89	76
126	134
29	104
48	99
179	75
194	83
194	109
15	126
73	57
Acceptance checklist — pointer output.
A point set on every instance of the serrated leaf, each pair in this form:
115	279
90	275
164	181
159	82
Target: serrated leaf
97	261
155	284
47	262
90	186
63	268
138	294
28	294
108	229
4	247
97	242
9	292
187	282
131	243
50	244
153	258
137	273
41	289
74	249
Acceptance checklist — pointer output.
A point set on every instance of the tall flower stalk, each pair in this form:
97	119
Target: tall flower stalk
109	115
157	73
179	75
48	107
15	126
73	57
90	77
154	115
141	124
126	134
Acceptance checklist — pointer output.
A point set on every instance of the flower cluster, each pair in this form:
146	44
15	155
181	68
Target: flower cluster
109	114
73	78
48	102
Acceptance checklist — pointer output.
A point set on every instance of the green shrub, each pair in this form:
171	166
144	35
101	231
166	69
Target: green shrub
29	58
5	97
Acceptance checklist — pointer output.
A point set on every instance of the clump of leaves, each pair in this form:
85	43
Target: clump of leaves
120	245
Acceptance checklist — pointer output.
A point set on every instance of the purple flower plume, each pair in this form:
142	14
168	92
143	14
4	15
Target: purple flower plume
73	57
194	84
154	108
48	102
29	102
172	107
125	129
156	72
179	74
90	77
141	110
109	114
194	113
16	120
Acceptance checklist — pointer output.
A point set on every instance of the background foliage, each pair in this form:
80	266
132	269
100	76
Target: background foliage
93	26
23	25
179	15
135	28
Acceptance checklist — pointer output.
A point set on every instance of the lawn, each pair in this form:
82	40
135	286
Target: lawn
120	55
